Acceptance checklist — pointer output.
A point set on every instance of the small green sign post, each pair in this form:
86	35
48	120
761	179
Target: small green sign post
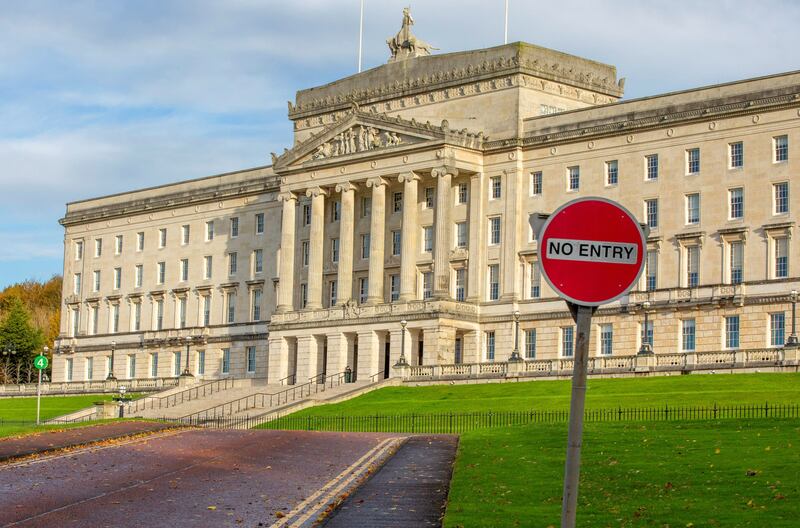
40	362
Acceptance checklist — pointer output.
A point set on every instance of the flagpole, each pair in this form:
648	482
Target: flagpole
360	34
505	32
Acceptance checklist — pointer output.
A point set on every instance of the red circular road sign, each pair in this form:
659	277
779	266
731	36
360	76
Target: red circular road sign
591	251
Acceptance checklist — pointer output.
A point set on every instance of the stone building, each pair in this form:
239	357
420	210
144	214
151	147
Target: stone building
408	195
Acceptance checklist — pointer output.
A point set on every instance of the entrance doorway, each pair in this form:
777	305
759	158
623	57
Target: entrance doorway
419	353
386	360
459	347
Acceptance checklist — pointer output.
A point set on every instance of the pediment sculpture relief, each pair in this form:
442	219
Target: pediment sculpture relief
356	139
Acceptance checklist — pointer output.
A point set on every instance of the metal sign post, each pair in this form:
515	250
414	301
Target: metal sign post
40	363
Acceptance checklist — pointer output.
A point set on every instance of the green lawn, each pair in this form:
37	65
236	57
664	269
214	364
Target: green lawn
689	474
24	410
692	390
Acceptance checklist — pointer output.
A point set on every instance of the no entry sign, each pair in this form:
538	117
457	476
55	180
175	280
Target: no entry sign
591	251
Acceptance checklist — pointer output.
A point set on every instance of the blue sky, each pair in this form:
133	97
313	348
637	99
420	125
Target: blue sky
103	96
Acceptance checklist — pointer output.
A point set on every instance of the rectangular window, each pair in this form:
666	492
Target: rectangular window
140	241
736	155
182	312
176	363
461	284
606	339
96	280
233	263
732	331
458	350
185	234
234	227
184	270
131	366
366	206
334	250
230	301
304	253
651	212
688	335
429	197
693	208
138	276
303	295
394	287
94	320
89	368
226	360
573	178
209	231
612	172
427	285
159	315
332	286
251	359
496	187
256	311
494	282
161	272
201	362
651	270
461	235
536	183
76	284
692	266
427	239
162	237
567	341
154	365
494	230
114	318
781	258
365	246
137	316
693	161
336	210
117	278
363	289
118	245
736	203
777	329
259	223
397	242
258	261
536	280
208	265
781	148
98	247
490	346
463	193
780	193
68	369
206	310
651	167
736	249
78	249
306	214
646	334
530	344
397	202
75	320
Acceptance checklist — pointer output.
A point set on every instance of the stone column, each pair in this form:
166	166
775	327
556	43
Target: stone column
409	248
477	245
307	351
337	353
444	228
286	272
315	250
368	350
278	358
376	236
511	270
344	279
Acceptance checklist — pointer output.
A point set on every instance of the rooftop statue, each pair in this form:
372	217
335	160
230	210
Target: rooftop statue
405	45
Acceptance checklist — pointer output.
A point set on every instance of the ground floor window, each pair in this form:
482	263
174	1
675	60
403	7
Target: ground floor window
606	339
530	344
777	329
226	360
176	367
688	331
567	341
201	362
490	346
68	369
251	359
732	331
154	365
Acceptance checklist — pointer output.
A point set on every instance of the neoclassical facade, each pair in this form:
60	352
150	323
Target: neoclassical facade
408	205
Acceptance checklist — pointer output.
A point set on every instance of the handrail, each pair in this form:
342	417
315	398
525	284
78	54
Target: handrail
375	377
291	379
185	395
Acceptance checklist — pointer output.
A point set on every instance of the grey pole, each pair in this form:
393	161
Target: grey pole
572	469
39	391
792	342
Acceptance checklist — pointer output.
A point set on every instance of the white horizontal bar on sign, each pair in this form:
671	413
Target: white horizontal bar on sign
592	251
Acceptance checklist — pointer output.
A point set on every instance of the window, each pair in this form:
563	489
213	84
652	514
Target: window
159	314
736	249
230	302
258	260
68	369
692	266
334	250
490	346
461	284
306	214
363	289
182	312
536	281
117	278
781	148
651	167
184	270
233	263
256	311
98	247
427	285
463	194
89	368
131	366
304	252
209	231
259	223
494	230
137	317
394	288
162	237
140	241
397	242
573	178
118	245
154	365
736	203
732	331
736	155
76	321
777	329
138	276
780	193
496	187
688	335
366	206
781	257
494	282
114	318
185	234
651	270
612	172
303	295
693	208
234	227
530	344
161	272
176	363
94	320
693	161
567	341
536	183
429	197
651	212
365	246
201	362
206	310
78	249
208	263
251	359
427	238
458	350
606	339
332	286
336	210
397	202
646	334
226	360
108	367
76	284
461	235
96	280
